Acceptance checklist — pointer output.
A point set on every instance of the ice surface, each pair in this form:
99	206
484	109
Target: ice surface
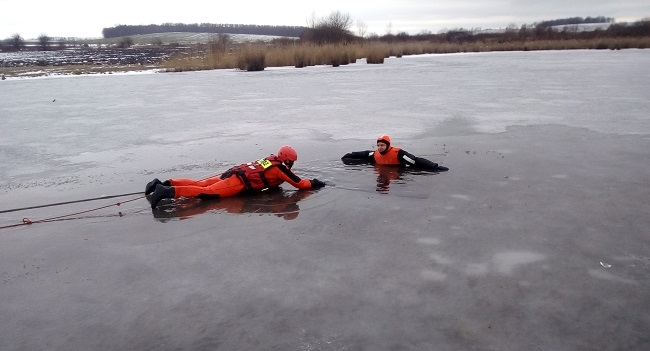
90	121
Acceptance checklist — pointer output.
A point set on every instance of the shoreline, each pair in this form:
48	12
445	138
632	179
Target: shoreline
276	59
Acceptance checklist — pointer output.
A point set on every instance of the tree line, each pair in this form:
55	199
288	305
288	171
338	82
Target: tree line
337	28
577	20
44	43
526	32
128	30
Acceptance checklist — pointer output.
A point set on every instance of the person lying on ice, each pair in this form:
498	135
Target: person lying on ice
390	155
265	173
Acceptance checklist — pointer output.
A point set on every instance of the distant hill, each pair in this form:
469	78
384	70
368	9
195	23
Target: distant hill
577	20
583	27
178	38
248	29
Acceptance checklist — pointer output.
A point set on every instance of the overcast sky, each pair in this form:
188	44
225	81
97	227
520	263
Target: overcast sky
86	19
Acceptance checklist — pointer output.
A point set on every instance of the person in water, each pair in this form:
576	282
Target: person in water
390	155
265	173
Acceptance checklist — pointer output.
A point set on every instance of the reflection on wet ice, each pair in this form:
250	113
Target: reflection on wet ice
387	180
279	202
386	175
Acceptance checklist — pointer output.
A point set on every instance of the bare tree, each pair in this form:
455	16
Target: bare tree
362	28
44	42
334	28
125	42
389	28
17	42
340	20
311	22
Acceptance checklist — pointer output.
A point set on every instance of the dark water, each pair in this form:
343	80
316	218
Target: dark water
535	239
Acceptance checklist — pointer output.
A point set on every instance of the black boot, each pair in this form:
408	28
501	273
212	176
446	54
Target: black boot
441	169
161	192
151	186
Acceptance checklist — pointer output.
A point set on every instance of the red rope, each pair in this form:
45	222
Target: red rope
27	221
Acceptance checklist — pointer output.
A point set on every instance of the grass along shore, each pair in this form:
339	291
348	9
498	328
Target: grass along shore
259	55
255	57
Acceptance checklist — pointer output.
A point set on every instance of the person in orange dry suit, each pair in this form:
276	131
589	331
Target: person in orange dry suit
390	155
265	173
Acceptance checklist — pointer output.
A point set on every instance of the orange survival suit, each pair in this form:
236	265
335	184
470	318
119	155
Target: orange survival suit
254	176
259	175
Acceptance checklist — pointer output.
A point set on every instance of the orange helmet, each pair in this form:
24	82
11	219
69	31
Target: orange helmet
384	139
287	154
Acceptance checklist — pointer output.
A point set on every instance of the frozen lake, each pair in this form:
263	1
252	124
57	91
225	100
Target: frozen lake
57	129
536	239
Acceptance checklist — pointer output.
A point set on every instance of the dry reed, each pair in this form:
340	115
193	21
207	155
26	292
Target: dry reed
255	57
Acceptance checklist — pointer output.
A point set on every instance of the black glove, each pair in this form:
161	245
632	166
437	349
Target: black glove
315	183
